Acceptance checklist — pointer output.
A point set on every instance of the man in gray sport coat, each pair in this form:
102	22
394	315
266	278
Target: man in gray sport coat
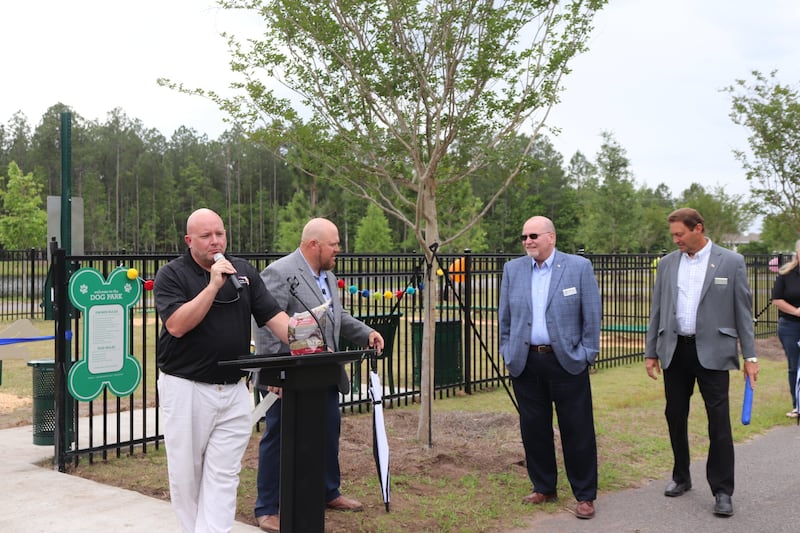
307	273
701	314
550	313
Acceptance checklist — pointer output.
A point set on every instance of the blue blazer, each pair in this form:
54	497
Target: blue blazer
573	312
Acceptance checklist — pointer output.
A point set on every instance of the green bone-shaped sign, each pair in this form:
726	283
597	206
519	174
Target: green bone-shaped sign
105	305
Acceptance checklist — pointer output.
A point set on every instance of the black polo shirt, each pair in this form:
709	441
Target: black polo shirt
224	333
787	287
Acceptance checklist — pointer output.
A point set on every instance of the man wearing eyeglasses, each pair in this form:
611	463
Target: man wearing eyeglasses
550	311
206	408
300	281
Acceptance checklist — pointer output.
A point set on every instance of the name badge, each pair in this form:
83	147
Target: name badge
720	281
570	292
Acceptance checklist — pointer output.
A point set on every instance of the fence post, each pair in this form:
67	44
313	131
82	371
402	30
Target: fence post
33	279
59	371
467	323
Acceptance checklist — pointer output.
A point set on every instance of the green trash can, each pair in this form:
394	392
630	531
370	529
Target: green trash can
447	353
44	402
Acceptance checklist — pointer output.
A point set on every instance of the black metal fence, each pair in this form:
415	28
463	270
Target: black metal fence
383	290
22	278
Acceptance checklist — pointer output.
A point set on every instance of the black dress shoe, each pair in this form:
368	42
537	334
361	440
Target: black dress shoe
724	505
676	489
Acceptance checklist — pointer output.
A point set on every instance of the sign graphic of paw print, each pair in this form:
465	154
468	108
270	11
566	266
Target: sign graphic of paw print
105	306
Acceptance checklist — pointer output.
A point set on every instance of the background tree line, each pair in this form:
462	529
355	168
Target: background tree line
416	109
138	186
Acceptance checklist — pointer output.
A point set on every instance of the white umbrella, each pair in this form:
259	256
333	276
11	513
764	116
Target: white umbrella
261	409
380	444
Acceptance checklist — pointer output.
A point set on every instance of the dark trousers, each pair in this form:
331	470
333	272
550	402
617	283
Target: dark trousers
679	380
269	455
789	334
544	383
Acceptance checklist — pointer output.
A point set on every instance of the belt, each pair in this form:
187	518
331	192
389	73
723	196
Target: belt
540	348
229	381
687	339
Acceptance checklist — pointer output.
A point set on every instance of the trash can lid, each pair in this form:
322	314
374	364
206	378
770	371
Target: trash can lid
42	362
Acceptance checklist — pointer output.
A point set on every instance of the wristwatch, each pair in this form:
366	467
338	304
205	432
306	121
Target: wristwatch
751	359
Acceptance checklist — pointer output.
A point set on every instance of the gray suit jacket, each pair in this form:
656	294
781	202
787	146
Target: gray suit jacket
573	312
340	324
724	314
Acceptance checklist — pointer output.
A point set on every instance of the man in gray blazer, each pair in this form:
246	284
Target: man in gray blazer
701	315
300	280
550	311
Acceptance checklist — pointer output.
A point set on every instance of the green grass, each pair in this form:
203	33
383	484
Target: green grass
16	372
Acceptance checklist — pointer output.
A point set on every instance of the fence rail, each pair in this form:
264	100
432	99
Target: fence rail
383	290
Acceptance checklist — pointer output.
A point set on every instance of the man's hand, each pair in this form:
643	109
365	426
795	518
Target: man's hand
751	370
376	341
219	271
653	367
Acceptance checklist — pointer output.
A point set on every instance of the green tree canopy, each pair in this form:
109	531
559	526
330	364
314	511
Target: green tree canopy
777	233
724	214
373	235
609	199
771	112
291	220
23	222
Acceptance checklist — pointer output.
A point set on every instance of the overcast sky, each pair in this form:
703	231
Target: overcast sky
652	77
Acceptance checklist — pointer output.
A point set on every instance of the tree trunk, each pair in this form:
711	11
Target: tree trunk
427	212
425	428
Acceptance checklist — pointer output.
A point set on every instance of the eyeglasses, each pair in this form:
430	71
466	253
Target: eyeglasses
225	289
532	236
223	302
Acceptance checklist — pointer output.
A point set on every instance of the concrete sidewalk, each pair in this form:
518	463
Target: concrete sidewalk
766	499
36	499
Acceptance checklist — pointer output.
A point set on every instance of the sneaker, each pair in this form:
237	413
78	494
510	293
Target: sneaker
793	413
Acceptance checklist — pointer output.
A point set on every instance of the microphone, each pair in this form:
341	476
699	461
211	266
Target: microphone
234	279
293	283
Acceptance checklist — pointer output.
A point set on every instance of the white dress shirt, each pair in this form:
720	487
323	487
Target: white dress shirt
691	274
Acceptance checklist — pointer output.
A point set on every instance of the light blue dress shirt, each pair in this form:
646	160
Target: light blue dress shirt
540	286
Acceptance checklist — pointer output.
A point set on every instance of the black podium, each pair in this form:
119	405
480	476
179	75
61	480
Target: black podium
305	380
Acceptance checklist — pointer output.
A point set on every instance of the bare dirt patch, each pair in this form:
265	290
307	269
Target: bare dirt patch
12	402
466	444
14	410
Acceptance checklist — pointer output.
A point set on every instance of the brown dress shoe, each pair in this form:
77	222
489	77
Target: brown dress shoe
585	510
344	504
269	522
537	497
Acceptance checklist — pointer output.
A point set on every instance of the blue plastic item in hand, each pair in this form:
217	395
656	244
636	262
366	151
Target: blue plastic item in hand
747	404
